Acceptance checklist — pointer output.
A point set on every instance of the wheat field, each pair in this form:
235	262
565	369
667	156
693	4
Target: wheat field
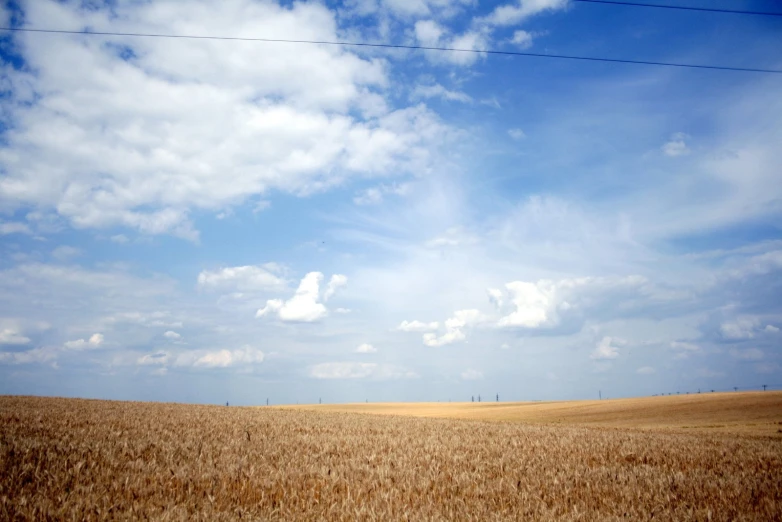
747	412
69	459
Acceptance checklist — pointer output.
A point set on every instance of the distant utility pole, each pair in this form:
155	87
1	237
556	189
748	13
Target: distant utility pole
764	387
267	401
479	398
600	394
473	398
498	397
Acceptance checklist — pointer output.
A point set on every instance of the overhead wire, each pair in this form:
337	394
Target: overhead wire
396	46
680	7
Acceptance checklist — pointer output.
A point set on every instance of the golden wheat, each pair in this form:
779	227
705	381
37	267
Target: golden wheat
87	460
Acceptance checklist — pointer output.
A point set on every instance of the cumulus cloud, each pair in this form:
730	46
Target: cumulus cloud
305	305
243	278
517	12
431	34
645	370
471	375
172	335
417	326
676	146
93	342
495	297
366	348
771	329
454	328
522	39
10	336
319	112
336	282
607	348
533	304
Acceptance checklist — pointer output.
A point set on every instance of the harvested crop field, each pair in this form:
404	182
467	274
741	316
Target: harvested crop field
87	460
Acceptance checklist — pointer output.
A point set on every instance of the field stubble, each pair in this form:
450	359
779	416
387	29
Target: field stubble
81	460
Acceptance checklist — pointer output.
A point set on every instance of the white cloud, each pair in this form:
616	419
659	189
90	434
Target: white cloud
172	335
504	346
342	311
120	239
645	370
438	91
740	328
522	39
771	329
65	252
749	354
430	34
225	358
471	375
533	304
376	195
417	326
319	113
9	336
370	196
36	355
606	349
684	349
454	328
676	146
304	306
336	282
366	348
93	342
356	370
243	278
516	134
512	14
14	228
495	297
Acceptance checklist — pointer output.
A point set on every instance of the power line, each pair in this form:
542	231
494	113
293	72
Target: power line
396	46
680	7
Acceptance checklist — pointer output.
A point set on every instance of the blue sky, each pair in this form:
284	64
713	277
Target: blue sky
211	221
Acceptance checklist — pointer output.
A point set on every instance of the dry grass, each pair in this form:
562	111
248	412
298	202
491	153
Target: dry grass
748	413
88	460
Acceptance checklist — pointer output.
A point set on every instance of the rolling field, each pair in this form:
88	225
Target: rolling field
74	459
748	413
